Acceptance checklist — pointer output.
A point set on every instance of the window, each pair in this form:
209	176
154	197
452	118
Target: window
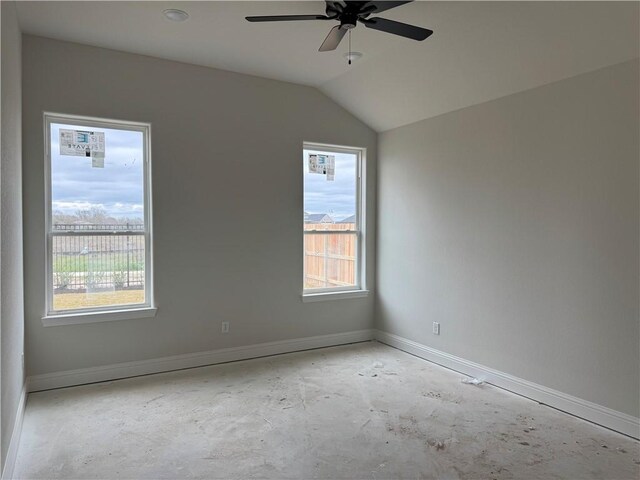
98	215
333	219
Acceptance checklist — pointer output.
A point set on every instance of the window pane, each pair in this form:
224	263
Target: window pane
97	270
97	186
330	200
330	204
330	260
94	191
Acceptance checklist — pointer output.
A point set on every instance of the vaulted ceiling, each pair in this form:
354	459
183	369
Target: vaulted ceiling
479	51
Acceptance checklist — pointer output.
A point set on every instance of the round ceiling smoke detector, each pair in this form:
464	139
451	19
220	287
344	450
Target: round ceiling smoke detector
175	15
353	56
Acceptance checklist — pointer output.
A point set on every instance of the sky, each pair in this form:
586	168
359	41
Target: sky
336	198
118	187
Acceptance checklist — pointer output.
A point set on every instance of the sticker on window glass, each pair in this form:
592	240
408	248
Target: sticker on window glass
331	170
82	143
323	165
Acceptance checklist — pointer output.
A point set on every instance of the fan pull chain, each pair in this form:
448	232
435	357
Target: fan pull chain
349	47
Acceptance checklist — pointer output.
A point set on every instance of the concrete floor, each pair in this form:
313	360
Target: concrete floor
356	411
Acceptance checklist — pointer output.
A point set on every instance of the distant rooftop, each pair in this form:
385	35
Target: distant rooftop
317	218
351	219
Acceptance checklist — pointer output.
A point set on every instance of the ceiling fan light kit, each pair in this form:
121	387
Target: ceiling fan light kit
349	13
353	56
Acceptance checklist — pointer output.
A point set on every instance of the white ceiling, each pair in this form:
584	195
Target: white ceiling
485	50
479	51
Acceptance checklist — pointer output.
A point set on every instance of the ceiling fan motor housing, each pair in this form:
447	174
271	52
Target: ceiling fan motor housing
348	21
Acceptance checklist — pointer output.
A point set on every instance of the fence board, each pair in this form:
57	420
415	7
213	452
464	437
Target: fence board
330	260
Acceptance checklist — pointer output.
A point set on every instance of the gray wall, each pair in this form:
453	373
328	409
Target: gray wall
515	223
11	280
227	191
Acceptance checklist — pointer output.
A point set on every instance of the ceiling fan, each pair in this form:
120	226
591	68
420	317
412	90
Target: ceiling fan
349	13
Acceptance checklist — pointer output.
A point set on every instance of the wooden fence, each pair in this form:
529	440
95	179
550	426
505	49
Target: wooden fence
330	259
118	261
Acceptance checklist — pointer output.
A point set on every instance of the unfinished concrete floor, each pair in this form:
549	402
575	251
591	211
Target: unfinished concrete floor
356	411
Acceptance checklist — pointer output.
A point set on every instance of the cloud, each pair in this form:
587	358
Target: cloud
118	187
337	198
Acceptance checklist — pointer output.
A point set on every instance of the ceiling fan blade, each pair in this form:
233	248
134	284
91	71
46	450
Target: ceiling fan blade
333	8
333	39
285	18
397	28
384	6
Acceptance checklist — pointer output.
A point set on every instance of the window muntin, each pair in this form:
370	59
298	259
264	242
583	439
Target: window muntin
98	216
332	221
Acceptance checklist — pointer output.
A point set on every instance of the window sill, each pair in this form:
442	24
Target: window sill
95	317
324	296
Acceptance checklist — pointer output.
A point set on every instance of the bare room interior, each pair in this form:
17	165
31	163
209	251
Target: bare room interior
307	239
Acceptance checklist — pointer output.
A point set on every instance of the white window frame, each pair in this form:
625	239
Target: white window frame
359	289
104	313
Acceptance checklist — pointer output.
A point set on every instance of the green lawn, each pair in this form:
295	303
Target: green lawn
70	301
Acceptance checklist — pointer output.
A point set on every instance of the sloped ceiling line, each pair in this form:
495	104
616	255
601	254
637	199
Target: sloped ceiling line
480	50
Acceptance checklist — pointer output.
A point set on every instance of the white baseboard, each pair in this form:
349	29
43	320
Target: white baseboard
144	367
12	452
606	417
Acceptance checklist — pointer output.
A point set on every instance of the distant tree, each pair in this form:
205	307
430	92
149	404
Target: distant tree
95	215
60	217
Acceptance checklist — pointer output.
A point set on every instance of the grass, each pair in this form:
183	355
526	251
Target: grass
71	301
105	262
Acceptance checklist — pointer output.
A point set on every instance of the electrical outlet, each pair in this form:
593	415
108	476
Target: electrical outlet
225	327
436	328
